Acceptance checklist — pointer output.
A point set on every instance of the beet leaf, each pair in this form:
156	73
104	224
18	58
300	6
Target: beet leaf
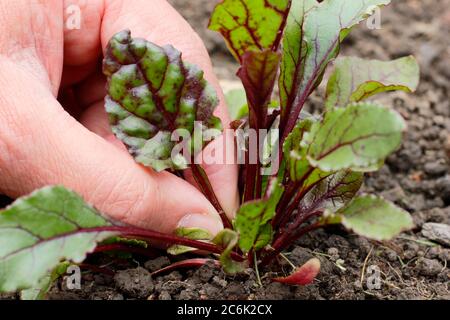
355	79
153	95
250	25
357	137
43	229
312	39
373	217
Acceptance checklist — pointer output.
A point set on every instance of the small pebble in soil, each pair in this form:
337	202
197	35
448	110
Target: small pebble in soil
436	168
189	294
156	264
438	232
429	267
136	283
173	287
333	253
107	294
164	296
205	272
390	255
275	291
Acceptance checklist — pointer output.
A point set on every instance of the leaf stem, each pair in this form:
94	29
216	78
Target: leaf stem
202	180
291	235
147	252
165	238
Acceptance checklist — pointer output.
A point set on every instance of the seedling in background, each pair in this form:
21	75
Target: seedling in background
153	92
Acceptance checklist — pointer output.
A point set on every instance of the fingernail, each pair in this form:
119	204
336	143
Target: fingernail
202	221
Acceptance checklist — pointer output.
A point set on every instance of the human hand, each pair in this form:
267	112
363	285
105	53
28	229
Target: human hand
45	140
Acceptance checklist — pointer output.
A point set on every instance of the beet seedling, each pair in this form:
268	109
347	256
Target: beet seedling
155	96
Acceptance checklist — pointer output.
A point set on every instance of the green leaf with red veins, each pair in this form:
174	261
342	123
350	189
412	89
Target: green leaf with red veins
252	219
308	52
40	291
295	152
372	217
358	137
258	74
356	79
39	231
250	25
333	192
264	237
228	239
153	93
190	233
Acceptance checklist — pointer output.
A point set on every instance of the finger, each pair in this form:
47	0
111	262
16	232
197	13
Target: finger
32	37
40	145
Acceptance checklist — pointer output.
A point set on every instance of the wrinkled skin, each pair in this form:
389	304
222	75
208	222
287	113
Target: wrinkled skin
45	140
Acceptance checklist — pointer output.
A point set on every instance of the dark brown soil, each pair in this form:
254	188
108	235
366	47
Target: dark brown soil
417	178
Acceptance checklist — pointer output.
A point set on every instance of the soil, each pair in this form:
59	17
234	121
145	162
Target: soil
417	178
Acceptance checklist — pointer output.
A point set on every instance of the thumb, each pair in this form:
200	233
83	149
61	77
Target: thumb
41	144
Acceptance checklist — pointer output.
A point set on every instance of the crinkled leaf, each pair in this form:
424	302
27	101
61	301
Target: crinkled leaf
252	217
356	79
333	192
228	239
190	233
303	275
250	25
237	103
39	231
374	218
40	291
306	54
153	93
357	137
258	74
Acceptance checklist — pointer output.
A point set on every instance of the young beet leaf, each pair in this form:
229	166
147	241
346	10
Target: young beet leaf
42	233
154	99
253	31
250	25
152	95
355	79
312	39
357	137
372	217
41	230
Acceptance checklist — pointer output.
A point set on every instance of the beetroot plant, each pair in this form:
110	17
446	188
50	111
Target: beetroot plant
298	172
